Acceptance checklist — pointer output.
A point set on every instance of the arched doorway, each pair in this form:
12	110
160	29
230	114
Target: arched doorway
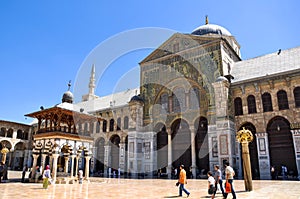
201	146
162	147
114	143
100	157
181	144
252	150
281	146
18	156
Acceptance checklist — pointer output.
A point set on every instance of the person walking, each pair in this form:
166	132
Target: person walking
211	185
218	179
229	173
182	181
80	176
46	177
25	168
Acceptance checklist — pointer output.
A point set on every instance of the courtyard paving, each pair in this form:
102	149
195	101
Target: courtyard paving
144	188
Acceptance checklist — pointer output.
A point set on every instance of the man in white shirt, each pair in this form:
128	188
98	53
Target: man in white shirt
229	173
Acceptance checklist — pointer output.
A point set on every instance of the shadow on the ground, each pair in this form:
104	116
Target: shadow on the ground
172	196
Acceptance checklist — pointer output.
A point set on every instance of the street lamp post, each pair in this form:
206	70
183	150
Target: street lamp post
245	136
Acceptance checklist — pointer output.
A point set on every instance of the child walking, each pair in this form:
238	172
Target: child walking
211	184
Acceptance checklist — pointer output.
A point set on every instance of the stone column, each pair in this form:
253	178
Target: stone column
107	159
54	169
122	156
193	151
263	155
35	157
87	167
296	140
66	164
43	161
169	169
77	165
51	162
72	165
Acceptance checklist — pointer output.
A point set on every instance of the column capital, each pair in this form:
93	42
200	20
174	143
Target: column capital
35	155
87	157
55	155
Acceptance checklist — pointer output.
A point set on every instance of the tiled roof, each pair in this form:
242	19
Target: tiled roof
270	64
109	101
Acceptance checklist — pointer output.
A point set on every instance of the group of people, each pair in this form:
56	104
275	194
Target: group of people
213	181
39	175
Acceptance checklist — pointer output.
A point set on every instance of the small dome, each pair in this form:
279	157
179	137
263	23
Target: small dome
67	97
211	29
136	98
221	79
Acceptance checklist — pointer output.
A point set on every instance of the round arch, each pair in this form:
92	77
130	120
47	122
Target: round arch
281	145
181	144
201	145
162	147
115	152
99	168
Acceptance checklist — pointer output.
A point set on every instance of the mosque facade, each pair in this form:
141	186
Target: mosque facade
195	93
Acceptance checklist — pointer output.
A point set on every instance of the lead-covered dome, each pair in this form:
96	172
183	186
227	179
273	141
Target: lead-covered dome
211	29
67	97
136	98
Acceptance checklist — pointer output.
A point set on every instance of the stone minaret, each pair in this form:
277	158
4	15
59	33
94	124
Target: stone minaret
91	95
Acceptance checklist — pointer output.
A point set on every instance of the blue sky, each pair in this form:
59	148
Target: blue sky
43	44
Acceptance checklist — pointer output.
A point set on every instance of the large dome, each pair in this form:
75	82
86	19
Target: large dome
211	29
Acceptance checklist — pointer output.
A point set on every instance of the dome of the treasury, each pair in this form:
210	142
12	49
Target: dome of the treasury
211	29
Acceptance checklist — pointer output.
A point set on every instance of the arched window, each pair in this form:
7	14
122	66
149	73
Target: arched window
164	103
25	135
125	122
238	107
98	127
10	133
19	134
178	100
297	96
104	126
282	100
85	129
251	104
267	102
2	132
194	98
111	125
119	124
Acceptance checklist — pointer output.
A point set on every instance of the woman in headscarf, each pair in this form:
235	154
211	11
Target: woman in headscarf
46	177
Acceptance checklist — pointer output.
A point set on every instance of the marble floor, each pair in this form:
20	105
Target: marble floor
144	188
